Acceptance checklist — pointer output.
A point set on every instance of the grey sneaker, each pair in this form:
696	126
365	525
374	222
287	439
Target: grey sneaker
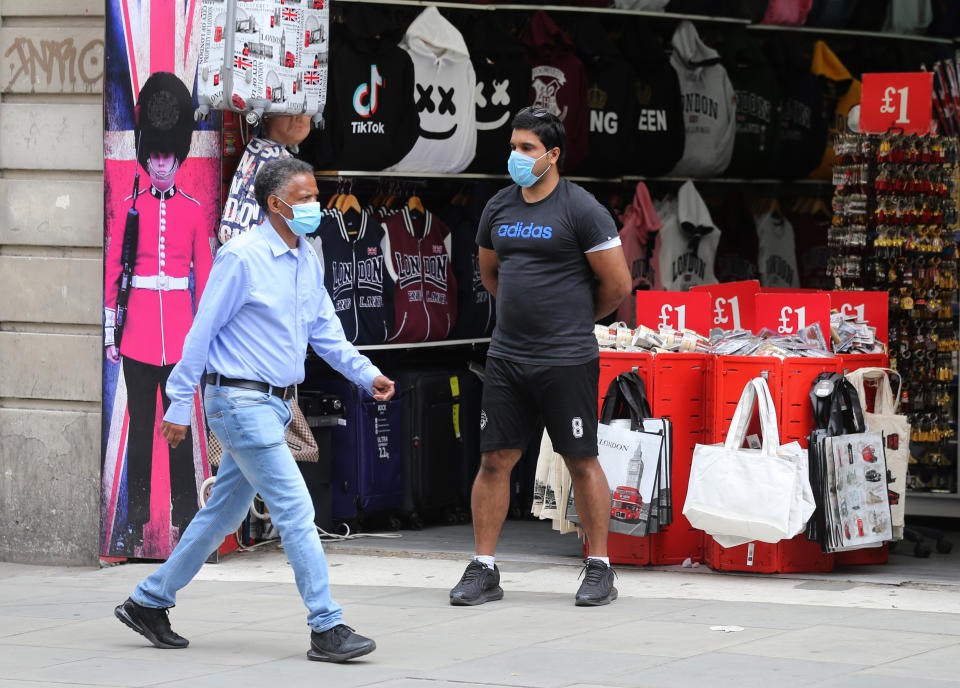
478	585
597	587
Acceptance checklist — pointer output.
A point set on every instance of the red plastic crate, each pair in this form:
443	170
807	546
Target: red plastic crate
860	557
796	411
612	363
850	362
681	384
758	557
625	549
731	375
789	381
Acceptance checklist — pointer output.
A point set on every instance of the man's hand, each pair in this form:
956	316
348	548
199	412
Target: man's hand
173	433
113	354
383	388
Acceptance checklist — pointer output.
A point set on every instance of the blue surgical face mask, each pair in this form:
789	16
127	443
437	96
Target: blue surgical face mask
306	216
520	167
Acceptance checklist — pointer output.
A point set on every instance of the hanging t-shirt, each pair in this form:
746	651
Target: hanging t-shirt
787	12
709	106
803	127
612	107
241	211
776	251
416	249
637	236
841	93
659	131
758	99
688	241
736	259
559	83
908	16
445	86
813	254
371	118
503	88
353	273
545	304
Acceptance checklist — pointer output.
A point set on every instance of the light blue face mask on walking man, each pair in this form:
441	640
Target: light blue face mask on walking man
306	216
520	167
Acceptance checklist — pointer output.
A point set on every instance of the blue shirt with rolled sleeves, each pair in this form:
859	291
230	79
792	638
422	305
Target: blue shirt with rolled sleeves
264	302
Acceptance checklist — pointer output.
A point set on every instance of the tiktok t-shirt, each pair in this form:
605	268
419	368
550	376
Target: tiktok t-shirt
545	300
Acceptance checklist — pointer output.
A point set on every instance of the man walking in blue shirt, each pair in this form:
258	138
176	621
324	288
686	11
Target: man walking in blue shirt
264	302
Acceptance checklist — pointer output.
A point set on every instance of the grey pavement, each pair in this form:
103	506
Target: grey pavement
679	628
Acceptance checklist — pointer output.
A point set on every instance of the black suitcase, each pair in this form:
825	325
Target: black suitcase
432	445
323	413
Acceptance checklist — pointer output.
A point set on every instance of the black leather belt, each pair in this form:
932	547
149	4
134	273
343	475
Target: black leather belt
218	379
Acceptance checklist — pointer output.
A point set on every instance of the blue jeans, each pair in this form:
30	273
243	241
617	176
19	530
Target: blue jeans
251	427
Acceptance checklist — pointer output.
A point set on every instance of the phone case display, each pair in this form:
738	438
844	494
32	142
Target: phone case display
895	214
263	56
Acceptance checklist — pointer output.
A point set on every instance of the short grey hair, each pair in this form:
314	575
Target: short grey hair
273	177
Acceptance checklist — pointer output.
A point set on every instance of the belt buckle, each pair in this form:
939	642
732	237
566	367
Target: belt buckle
163	281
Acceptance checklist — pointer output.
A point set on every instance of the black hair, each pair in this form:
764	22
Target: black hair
274	176
546	125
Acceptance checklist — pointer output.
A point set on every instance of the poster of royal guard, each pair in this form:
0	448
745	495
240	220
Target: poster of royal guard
161	195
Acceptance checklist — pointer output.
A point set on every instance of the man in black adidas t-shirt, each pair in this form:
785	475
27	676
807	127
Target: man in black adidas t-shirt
550	254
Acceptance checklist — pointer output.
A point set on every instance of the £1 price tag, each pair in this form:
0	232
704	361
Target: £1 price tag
679	310
896	100
788	313
871	307
731	304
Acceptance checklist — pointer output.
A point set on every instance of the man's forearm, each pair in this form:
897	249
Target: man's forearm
491	284
606	299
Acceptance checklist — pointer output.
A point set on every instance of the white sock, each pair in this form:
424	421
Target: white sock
485	560
605	560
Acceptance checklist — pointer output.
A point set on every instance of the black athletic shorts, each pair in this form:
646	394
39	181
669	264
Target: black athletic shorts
515	395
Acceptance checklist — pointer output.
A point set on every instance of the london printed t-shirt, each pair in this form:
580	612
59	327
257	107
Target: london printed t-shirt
545	303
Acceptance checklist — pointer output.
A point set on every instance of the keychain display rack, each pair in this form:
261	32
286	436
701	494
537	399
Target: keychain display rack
894	229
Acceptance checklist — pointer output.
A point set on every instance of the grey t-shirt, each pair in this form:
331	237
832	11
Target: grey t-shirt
545	301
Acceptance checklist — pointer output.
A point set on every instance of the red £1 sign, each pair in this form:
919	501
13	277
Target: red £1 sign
790	313
732	304
872	307
679	310
896	100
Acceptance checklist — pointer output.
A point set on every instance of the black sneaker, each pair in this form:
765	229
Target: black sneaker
597	587
479	584
338	644
152	623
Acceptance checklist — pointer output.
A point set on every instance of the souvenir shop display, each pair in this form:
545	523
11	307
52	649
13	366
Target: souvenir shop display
739	495
636	451
894	427
848	470
895	213
268	57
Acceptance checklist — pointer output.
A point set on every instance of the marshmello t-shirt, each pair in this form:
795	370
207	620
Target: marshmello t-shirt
545	301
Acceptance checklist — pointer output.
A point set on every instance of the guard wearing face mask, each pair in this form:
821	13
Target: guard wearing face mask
264	304
170	234
550	254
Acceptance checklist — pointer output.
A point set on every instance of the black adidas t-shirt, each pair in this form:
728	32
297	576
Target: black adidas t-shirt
545	300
